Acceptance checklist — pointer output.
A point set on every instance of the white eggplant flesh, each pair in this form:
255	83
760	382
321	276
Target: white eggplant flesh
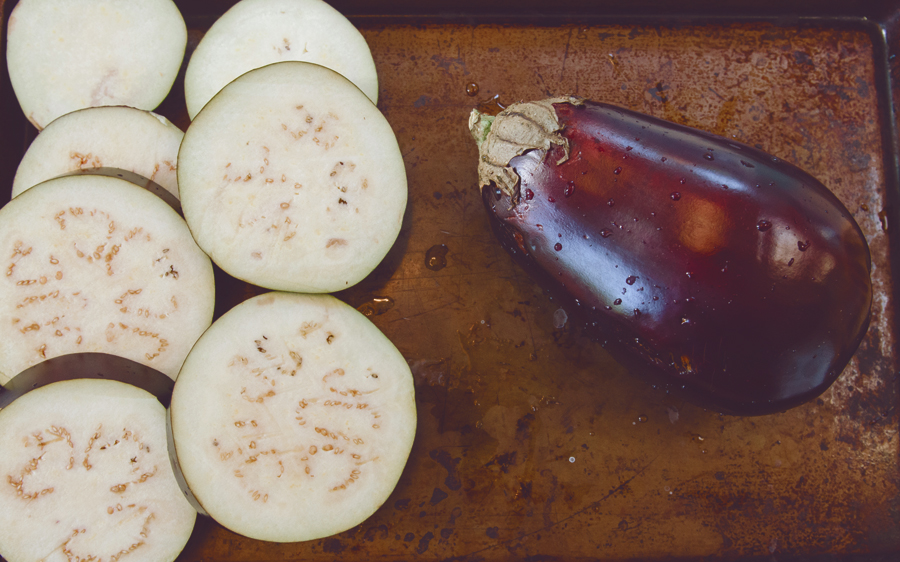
86	476
97	264
255	33
292	179
119	137
65	55
293	418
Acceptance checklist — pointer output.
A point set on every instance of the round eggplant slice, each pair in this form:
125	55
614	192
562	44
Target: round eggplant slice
255	33
291	179
87	477
65	55
98	264
125	138
293	417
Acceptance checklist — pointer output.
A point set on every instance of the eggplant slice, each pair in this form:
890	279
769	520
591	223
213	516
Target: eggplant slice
124	138
98	264
87	476
65	55
291	179
293	417
255	33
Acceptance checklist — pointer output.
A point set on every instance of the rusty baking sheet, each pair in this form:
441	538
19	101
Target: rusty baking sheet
533	444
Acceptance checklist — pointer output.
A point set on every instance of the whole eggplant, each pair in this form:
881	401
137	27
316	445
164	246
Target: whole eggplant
729	273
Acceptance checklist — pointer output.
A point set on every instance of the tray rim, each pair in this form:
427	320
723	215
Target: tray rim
879	19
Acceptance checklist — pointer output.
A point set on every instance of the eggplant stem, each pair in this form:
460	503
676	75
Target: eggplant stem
519	128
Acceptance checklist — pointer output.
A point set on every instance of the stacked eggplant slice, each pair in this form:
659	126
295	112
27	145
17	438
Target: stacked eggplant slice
255	33
103	283
292	415
65	55
108	140
291	179
87	477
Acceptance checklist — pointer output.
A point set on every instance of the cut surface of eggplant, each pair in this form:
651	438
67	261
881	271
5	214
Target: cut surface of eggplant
293	417
291	179
97	264
255	33
87	476
120	137
732	274
65	55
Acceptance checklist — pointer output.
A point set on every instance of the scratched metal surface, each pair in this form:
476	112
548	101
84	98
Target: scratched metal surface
533	443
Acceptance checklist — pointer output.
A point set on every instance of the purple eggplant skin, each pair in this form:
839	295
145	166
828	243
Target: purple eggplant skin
727	272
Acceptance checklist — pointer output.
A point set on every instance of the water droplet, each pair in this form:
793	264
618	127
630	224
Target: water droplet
629	148
560	318
617	302
436	257
492	106
529	195
642	418
631	279
763	225
540	227
571	459
675	196
610	203
724	186
376	306
557	246
551	199
708	156
618	170
497	193
570	189
803	245
663	159
791	262
637	312
747	164
471	89
605	233
689	274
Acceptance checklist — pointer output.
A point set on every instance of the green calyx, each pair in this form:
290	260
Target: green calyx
480	126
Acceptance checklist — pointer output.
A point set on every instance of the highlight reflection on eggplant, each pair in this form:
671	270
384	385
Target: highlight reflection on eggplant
735	275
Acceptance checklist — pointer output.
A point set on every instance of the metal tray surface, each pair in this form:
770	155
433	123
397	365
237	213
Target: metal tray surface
533	444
